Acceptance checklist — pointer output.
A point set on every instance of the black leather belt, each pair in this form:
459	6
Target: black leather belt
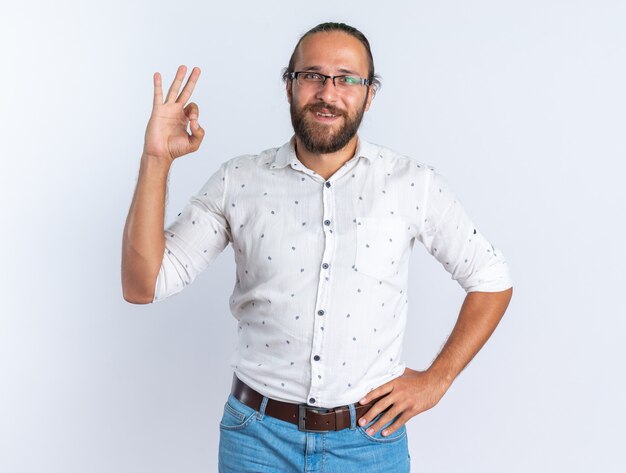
307	418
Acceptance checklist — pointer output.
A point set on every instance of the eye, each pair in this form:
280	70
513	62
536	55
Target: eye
312	76
349	80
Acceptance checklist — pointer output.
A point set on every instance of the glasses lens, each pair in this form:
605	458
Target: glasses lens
310	78
350	80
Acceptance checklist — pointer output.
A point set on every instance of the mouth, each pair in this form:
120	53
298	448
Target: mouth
324	116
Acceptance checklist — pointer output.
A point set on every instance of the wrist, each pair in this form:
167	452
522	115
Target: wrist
152	162
440	376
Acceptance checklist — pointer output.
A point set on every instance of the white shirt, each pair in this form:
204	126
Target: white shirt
322	265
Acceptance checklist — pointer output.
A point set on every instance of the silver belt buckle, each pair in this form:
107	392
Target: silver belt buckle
302	408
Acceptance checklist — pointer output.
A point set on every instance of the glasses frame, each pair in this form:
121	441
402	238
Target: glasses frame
362	81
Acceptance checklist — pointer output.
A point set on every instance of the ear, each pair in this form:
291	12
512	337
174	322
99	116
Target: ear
288	90
371	91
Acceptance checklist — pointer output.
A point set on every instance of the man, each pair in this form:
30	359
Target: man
322	230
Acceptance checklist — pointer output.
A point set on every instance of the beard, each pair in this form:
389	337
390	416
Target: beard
319	138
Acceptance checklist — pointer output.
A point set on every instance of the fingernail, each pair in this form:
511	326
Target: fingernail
385	432
363	421
370	431
363	401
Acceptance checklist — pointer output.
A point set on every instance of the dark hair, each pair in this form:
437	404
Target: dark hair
328	27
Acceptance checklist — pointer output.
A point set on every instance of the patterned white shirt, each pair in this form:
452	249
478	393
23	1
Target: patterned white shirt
322	265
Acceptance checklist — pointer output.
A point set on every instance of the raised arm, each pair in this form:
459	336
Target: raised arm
166	139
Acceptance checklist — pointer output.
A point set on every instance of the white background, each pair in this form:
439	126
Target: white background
519	104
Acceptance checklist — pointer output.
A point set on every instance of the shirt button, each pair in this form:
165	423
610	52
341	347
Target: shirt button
320	312
312	400
325	266
327	184
326	222
316	358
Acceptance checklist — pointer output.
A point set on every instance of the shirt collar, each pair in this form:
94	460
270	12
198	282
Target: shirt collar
286	154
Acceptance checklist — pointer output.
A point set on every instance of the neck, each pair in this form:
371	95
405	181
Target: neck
325	164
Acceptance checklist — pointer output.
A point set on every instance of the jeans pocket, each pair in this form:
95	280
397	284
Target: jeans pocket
236	414
377	436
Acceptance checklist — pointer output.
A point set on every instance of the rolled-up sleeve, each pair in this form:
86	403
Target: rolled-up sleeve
456	242
195	238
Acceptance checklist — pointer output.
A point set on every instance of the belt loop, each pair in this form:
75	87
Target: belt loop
352	416
261	413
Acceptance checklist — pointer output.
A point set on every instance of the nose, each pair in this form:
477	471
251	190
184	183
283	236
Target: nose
327	92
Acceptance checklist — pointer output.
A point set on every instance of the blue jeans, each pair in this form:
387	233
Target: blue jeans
252	442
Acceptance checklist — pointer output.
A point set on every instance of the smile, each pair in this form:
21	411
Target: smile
322	117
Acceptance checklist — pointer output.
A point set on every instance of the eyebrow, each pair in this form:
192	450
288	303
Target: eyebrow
318	69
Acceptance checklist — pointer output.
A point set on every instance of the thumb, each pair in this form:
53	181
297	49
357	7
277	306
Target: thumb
197	134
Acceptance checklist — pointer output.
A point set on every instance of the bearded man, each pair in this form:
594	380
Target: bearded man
322	229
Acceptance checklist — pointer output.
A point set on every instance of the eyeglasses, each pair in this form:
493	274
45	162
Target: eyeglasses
344	82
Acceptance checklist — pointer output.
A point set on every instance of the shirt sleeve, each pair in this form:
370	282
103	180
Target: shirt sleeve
454	240
195	238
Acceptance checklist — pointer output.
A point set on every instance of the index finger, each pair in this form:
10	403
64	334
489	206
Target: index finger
379	406
189	86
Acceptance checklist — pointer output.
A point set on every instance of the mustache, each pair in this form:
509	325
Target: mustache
324	108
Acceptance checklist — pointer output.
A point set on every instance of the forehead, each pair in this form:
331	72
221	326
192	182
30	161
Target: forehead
332	51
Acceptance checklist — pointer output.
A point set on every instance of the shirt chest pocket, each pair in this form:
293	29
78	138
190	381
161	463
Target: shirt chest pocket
380	245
